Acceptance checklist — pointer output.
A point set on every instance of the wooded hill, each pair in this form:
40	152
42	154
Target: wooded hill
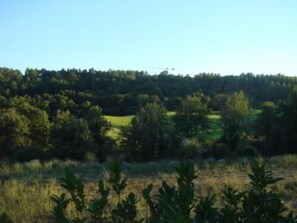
59	114
121	92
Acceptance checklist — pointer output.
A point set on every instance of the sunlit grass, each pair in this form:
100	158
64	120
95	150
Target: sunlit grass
214	115
26	188
118	121
170	113
214	131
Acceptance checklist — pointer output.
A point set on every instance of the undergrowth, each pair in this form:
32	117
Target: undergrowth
180	203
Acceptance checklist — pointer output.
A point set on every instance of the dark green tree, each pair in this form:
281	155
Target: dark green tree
191	117
39	124
150	134
282	135
266	118
72	138
14	131
99	126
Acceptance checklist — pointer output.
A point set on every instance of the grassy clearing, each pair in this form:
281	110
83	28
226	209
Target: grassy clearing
118	121
214	131
171	113
26	188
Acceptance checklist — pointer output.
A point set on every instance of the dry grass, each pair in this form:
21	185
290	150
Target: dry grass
26	188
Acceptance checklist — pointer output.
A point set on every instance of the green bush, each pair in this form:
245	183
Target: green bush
98	209
30	153
190	149
175	203
4	218
248	151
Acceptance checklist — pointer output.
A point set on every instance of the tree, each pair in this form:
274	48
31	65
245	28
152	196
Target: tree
150	134
61	117
282	135
72	138
99	126
191	117
266	118
39	124
97	123
234	118
14	131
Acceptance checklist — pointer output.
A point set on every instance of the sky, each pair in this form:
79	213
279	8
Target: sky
229	37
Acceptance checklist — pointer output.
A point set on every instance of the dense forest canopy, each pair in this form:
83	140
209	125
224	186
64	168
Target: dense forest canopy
117	92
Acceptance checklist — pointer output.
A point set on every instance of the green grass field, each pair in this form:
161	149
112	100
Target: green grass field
26	188
214	132
118	121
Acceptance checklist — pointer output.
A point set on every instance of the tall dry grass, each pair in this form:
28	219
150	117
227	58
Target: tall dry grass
25	189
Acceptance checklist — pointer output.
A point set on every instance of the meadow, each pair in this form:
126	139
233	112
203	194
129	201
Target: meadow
214	131
26	188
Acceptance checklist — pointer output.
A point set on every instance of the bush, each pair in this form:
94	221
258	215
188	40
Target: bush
4	218
30	153
98	209
248	151
180	203
190	149
216	150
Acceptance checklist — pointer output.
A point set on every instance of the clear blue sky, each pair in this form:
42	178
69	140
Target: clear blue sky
192	36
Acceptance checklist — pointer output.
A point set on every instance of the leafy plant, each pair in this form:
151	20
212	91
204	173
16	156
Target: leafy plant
259	204
98	205
170	204
98	209
178	204
4	218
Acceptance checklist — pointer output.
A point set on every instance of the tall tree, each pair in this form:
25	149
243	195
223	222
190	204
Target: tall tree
39	124
191	117
282	135
14	131
72	138
234	118
266	118
99	126
150	134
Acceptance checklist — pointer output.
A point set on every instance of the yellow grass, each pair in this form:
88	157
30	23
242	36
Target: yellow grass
26	188
118	121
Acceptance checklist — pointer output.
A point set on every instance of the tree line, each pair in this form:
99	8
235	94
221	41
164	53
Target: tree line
120	92
59	114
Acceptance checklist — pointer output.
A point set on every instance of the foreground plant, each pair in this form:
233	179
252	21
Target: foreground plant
170	204
4	218
99	209
180	204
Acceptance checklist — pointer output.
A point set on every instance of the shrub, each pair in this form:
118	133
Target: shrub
248	151
175	203
98	209
4	218
190	149
30	153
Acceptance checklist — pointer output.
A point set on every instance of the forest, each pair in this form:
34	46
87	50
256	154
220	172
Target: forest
62	114
127	146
